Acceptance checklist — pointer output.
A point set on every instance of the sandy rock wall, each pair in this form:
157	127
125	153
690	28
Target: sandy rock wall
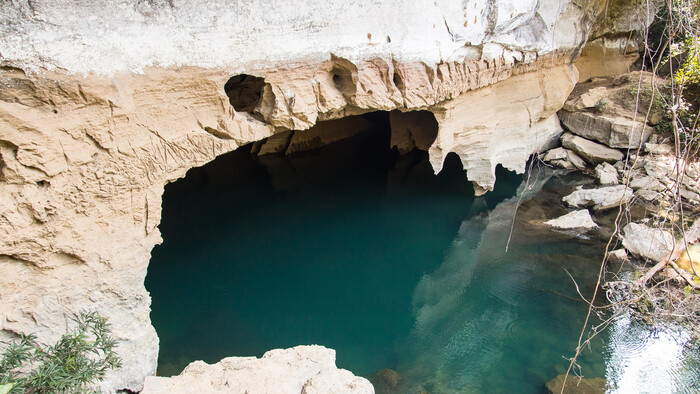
103	103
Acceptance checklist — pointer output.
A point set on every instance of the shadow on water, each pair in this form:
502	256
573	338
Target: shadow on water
356	248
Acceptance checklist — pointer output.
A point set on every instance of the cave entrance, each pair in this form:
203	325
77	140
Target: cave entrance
244	92
307	237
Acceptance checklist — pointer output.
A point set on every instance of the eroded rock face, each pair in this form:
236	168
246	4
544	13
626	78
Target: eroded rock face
103	103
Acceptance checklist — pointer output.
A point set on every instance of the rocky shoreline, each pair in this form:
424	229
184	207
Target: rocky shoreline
608	138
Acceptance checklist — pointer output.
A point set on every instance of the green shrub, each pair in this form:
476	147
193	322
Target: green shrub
80	358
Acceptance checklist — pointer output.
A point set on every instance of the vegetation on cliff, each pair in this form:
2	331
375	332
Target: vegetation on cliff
80	358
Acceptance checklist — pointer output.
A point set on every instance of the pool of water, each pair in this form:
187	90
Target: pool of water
356	249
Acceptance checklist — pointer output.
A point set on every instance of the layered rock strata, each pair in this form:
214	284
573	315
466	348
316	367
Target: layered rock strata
103	103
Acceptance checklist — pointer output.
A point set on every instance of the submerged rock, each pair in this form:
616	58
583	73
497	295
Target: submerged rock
302	369
575	385
576	220
601	198
647	242
592	152
386	381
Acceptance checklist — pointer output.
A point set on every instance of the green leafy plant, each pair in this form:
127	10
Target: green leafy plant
601	105
80	358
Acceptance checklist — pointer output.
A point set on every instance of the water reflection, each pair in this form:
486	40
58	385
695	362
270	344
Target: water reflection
640	360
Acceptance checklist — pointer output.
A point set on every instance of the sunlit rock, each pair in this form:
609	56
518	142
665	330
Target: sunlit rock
302	369
646	242
577	220
601	198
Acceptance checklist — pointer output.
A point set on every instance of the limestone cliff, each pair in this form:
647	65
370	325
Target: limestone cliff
102	103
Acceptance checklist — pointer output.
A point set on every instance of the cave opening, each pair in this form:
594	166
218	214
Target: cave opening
244	92
308	237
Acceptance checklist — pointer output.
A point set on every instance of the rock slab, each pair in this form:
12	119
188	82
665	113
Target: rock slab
576	220
601	198
592	152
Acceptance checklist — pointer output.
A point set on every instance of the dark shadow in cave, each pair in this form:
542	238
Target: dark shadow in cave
244	92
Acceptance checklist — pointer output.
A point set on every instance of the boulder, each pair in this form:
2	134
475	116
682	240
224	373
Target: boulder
646	182
576	220
564	158
302	369
618	256
590	151
613	131
658	149
601	198
606	174
587	100
575	385
647	242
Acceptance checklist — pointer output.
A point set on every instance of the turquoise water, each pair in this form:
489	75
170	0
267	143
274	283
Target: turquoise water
356	249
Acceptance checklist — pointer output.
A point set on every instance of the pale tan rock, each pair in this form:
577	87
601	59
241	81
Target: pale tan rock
302	369
601	198
592	152
615	132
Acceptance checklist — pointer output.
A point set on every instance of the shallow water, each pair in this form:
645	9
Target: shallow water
352	248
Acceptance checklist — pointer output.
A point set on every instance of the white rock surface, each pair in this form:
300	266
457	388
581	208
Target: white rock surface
302	369
108	37
646	242
601	198
606	174
576	220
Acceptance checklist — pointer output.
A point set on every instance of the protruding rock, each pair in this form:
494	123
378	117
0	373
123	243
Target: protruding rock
615	132
592	152
302	369
646	242
658	149
577	220
601	198
564	158
618	256
606	174
576	385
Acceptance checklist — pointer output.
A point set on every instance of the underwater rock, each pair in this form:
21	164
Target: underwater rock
574	385
386	381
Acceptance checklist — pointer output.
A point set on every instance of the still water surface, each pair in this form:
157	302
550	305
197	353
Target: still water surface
393	267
